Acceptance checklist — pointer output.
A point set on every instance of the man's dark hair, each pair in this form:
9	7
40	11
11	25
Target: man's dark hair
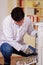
17	14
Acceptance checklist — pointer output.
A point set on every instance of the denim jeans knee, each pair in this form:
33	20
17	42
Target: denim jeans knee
6	50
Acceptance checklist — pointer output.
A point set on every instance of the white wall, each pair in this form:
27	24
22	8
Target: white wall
15	3
3	10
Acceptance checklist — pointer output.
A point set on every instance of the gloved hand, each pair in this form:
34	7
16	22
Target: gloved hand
30	50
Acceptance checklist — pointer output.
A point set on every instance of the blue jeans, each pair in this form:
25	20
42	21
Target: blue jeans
7	51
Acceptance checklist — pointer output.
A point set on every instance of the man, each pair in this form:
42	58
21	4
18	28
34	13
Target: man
14	28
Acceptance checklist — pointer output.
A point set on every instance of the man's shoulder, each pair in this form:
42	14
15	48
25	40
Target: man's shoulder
7	18
27	18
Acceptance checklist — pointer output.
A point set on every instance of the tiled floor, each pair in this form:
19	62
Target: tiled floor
14	59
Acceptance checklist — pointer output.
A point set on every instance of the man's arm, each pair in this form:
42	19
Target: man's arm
31	31
8	34
23	29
